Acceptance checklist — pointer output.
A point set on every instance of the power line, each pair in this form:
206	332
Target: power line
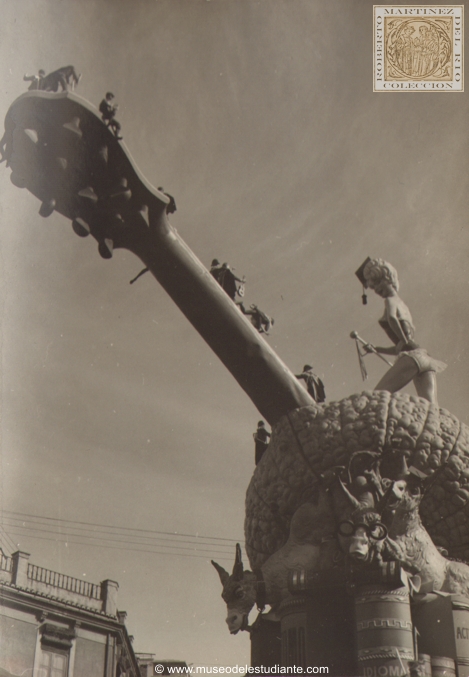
213	550
112	547
7	537
107	526
125	536
10	544
40	522
4	545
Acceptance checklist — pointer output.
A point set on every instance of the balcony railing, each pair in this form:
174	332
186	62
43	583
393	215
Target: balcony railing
6	563
57	580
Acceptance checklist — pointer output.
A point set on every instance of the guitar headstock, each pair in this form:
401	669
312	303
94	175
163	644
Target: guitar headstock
60	150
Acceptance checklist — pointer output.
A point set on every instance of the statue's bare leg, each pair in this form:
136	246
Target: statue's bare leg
425	385
402	372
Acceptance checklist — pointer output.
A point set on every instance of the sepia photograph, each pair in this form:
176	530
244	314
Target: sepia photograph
234	252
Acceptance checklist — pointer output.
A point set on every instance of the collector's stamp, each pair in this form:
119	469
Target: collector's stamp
418	48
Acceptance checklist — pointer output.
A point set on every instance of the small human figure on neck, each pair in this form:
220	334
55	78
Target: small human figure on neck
413	362
108	110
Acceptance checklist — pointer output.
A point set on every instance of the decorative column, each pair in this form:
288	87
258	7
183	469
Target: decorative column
109	596
385	636
317	623
20	568
266	638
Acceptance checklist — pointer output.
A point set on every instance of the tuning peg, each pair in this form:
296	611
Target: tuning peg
144	214
31	134
117	221
18	180
103	153
80	227
47	208
105	248
122	192
89	194
74	126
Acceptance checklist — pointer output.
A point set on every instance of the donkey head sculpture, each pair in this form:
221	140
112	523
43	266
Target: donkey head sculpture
378	505
361	535
239	593
362	532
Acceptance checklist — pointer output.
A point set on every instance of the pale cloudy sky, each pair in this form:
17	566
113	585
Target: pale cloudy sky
259	117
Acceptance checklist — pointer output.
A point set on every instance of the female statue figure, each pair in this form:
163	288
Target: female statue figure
413	363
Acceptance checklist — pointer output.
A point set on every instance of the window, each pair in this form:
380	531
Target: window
53	663
56	643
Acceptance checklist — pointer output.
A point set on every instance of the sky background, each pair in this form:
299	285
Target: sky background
259	117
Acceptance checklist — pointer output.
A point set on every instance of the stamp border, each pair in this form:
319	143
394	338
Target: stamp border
404	89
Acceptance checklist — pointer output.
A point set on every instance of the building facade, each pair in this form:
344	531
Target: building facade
52	625
150	666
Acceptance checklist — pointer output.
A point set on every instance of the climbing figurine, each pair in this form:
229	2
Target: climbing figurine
215	269
35	80
227	280
66	77
314	385
171	206
259	319
225	277
261	439
108	111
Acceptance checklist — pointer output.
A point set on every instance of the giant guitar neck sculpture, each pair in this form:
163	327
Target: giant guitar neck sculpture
59	149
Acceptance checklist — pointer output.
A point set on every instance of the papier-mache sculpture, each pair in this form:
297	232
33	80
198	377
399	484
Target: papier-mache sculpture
413	363
345	490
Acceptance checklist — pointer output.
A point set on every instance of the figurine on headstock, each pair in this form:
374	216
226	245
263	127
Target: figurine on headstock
64	77
413	363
